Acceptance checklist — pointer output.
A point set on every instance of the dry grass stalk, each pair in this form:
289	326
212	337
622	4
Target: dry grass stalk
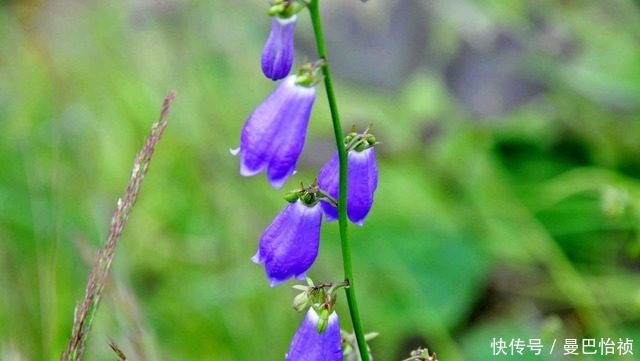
83	316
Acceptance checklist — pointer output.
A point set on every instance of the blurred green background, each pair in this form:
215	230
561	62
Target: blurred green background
509	196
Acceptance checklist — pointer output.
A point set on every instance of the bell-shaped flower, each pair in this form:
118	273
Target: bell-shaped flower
277	55
309	345
362	182
274	134
289	246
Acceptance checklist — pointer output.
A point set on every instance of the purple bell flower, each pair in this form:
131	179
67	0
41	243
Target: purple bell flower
289	246
274	134
362	183
309	345
277	55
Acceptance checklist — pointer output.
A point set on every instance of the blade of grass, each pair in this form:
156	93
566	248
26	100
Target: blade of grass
83	316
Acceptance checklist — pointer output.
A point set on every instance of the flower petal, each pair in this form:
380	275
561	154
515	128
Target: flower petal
288	144
261	125
277	54
289	246
308	345
328	181
363	181
274	134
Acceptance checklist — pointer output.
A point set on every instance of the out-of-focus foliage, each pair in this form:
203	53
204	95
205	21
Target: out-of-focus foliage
508	204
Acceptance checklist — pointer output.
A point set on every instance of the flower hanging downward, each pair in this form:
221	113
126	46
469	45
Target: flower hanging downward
309	345
277	55
362	178
274	134
289	246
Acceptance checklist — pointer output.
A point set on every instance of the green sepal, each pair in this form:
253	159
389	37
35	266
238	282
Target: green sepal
360	141
309	74
323	320
285	9
309	196
292	196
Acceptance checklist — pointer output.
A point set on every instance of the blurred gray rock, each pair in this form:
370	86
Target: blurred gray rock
377	43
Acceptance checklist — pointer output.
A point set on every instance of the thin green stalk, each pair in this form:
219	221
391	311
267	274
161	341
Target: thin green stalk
342	197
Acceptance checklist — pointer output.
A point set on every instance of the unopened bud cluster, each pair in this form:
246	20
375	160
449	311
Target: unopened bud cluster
360	142
309	196
320	297
422	354
284	8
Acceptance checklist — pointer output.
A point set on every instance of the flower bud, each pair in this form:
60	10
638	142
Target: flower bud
289	246
309	199
274	134
371	140
277	55
277	9
349	137
301	301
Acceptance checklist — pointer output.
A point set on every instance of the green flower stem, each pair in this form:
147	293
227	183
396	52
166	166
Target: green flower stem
342	198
